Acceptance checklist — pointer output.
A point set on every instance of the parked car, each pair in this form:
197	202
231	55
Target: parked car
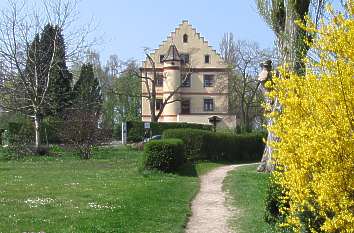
155	137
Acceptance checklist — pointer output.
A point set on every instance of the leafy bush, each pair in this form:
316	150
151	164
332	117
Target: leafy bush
117	132
49	130
202	144
135	131
194	141
136	128
19	137
20	129
273	203
20	132
57	149
165	155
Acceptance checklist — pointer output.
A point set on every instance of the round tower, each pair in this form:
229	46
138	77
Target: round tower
172	80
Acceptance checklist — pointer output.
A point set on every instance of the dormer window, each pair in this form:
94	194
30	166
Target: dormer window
185	38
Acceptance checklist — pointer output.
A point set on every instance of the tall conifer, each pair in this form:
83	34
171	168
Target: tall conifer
59	91
87	92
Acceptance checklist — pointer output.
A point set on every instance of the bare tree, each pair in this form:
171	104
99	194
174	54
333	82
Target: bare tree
228	49
243	57
24	92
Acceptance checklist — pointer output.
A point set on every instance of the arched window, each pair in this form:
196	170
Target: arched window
185	38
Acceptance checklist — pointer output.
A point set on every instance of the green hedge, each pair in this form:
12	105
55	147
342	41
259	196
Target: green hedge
194	141
25	129
165	155
247	147
136	128
20	132
201	144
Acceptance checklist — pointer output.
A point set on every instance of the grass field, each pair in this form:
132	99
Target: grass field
247	189
104	194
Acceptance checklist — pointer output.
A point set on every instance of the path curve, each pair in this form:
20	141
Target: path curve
209	211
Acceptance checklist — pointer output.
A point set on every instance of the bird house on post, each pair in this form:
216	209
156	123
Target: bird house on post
214	120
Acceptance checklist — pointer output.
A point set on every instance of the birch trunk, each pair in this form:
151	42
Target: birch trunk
37	132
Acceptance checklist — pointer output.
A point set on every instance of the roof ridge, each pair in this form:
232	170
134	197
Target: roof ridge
185	21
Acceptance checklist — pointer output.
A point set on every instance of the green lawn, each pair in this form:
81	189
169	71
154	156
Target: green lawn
247	189
104	194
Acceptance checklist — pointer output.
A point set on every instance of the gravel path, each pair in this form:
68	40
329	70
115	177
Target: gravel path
209	212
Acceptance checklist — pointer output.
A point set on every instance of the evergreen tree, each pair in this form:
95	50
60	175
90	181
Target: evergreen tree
87	92
47	76
59	91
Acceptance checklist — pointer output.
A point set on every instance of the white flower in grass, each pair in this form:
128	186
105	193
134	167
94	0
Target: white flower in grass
36	202
102	206
72	184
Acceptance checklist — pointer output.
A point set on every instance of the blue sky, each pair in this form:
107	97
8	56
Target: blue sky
128	26
125	27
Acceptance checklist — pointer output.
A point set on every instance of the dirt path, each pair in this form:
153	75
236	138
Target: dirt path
209	212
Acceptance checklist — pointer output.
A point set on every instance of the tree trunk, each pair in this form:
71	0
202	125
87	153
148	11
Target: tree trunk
37	122
243	115
153	96
153	108
292	49
267	162
247	120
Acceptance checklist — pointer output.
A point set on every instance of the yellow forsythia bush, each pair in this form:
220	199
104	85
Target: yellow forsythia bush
315	151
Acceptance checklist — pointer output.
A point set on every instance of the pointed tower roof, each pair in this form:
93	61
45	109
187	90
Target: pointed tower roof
172	54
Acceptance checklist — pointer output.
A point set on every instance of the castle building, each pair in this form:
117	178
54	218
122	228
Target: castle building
186	63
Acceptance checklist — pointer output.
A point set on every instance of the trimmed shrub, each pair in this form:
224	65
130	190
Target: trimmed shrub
165	155
202	144
136	128
230	147
194	141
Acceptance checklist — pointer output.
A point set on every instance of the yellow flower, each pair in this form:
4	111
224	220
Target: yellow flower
316	129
